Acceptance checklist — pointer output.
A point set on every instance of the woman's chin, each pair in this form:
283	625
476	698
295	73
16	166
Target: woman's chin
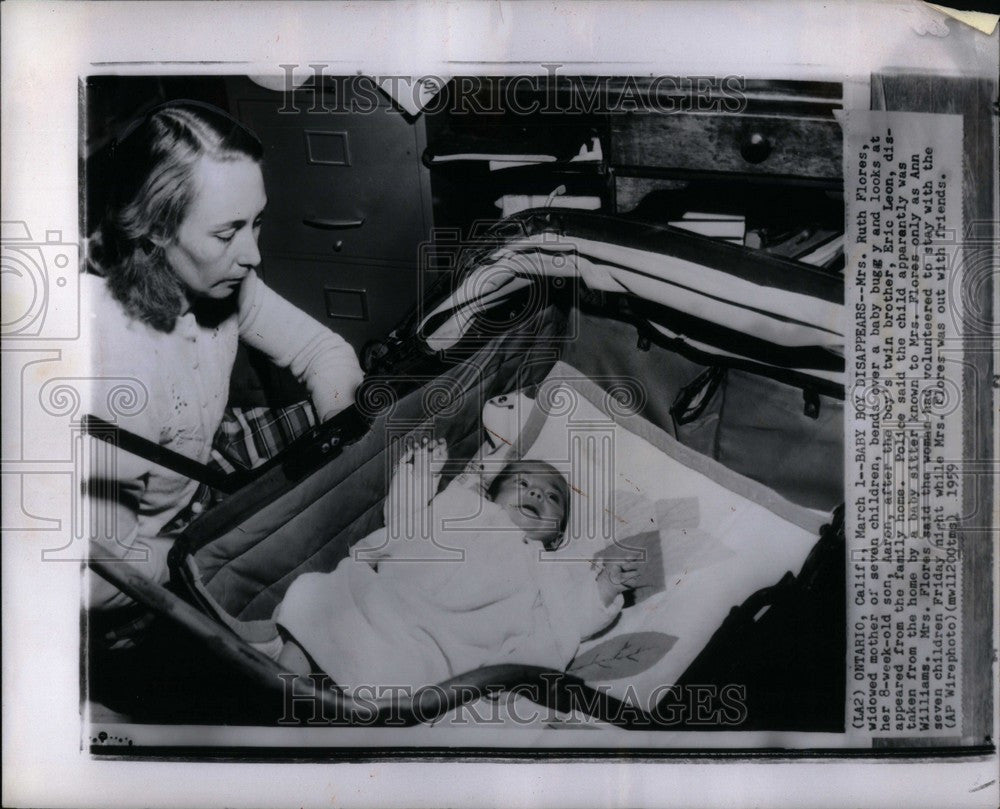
222	291
199	299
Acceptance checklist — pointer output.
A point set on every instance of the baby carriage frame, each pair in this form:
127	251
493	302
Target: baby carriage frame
225	577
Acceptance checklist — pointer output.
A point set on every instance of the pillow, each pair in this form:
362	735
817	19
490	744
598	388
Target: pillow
504	418
709	537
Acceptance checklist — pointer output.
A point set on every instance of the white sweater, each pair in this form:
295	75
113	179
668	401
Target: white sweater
179	383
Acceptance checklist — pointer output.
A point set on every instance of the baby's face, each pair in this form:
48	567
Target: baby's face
535	502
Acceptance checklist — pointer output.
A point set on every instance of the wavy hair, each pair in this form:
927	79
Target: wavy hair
152	169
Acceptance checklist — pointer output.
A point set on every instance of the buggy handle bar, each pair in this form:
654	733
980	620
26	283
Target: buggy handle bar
349	421
317	697
156	453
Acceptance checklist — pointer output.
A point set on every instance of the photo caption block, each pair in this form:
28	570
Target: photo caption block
903	188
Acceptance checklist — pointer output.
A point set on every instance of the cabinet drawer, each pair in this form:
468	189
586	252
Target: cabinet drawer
360	302
339	184
808	148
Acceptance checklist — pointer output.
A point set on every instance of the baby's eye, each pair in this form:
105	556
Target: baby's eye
554	498
522	483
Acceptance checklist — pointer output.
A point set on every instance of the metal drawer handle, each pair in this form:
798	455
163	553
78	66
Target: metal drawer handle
756	147
334	224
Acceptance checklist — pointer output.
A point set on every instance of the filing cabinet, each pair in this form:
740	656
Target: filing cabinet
348	209
348	202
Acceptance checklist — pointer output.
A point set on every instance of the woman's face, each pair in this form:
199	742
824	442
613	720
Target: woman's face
216	244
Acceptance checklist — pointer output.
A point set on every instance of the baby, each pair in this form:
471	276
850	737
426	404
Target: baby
484	588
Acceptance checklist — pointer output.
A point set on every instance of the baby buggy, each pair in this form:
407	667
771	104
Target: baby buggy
716	372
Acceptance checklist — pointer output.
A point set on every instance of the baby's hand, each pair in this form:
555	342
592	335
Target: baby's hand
616	576
429	458
416	478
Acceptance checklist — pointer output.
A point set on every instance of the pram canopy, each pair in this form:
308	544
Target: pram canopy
719	299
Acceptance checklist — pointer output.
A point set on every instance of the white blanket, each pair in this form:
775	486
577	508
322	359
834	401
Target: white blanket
411	610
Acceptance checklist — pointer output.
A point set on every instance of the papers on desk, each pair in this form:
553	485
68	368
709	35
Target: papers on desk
503	160
725	227
587	154
510	204
509	150
825	253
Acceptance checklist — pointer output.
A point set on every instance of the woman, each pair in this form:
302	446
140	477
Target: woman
173	291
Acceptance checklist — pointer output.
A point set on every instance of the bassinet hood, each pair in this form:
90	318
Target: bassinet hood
704	292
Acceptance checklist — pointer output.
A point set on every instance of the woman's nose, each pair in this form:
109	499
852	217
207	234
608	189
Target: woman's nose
249	252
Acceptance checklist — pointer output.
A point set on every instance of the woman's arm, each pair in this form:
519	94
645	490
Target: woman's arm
322	360
116	482
117	540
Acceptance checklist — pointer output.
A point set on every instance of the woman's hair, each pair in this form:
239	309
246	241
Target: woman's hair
537	468
152	179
